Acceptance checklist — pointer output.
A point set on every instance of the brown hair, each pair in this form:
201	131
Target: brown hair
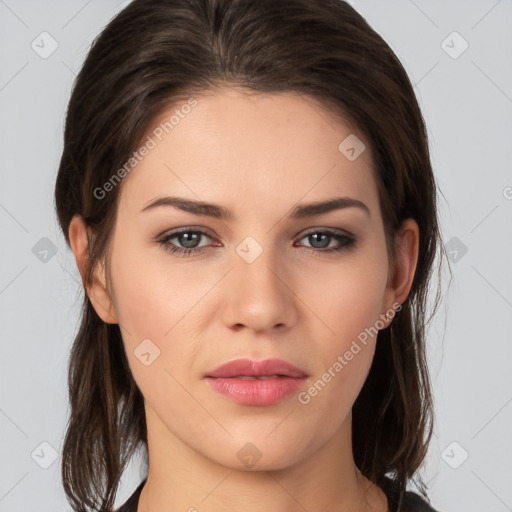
155	53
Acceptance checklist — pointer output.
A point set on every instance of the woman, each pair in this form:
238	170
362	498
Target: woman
247	190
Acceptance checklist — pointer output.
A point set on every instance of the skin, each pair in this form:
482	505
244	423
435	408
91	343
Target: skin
258	156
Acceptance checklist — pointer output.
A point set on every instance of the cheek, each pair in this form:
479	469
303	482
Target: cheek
158	346
348	298
155	301
153	294
347	303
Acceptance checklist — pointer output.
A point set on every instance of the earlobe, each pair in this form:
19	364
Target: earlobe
96	290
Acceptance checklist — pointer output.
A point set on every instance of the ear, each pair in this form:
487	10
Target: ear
406	248
96	290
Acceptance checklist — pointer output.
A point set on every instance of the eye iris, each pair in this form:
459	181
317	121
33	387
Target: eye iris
324	243
189	239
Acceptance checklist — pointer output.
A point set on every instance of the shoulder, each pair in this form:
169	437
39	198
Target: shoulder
131	504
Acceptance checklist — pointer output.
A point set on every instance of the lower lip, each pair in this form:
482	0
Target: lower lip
256	391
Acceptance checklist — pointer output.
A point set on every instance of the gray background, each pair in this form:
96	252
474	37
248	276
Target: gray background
467	103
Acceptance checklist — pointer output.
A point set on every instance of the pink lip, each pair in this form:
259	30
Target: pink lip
228	380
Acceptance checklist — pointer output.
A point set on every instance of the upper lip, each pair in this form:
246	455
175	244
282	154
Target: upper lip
250	368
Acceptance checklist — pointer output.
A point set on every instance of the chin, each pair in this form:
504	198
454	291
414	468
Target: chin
258	453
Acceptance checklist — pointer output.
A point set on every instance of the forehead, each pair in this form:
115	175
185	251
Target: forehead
261	148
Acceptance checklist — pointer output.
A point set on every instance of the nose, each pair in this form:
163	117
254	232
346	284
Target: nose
259	295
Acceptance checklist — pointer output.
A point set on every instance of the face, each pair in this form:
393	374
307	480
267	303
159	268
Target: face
193	291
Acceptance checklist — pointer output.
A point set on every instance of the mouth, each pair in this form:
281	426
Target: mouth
260	383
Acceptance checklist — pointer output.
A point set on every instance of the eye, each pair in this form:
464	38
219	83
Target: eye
189	240
320	240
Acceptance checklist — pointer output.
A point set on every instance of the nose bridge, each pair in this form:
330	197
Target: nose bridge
258	298
257	265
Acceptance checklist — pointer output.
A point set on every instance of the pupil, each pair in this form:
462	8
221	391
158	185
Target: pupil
326	241
189	239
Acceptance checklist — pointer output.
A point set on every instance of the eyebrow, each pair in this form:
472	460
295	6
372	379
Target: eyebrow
219	212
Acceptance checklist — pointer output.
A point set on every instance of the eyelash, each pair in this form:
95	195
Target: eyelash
347	242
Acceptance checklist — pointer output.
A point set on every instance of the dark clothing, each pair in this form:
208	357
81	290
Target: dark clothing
412	502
